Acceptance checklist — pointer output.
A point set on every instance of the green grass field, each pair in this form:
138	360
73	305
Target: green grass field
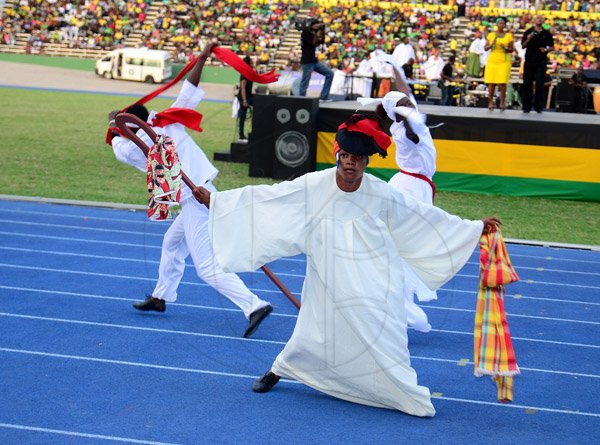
53	146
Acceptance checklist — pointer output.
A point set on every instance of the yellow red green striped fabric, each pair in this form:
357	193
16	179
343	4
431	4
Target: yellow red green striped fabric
493	348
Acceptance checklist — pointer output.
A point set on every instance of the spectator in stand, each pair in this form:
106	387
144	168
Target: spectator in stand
461	8
537	42
497	68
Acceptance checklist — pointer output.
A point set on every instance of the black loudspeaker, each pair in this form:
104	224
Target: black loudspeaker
283	142
564	96
591	76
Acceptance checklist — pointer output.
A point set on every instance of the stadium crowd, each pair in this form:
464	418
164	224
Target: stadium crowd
90	24
250	28
354	29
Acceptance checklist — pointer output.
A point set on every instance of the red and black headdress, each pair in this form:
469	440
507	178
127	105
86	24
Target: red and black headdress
361	135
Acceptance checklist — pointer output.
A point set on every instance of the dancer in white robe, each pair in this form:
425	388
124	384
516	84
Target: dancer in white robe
350	339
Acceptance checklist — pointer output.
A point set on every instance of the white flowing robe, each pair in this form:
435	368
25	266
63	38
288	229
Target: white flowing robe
350	339
415	158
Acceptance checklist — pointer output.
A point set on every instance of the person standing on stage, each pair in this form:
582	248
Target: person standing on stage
537	42
188	234
577	81
477	56
446	80
497	68
312	36
403	52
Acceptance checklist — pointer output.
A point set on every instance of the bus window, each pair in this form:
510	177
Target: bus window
152	62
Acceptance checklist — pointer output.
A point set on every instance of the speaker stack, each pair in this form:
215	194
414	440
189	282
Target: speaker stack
283	142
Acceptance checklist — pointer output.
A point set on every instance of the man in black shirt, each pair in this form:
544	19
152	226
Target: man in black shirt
579	91
408	69
445	83
313	35
538	42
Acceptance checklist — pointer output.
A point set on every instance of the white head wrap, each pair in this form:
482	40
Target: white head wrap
389	102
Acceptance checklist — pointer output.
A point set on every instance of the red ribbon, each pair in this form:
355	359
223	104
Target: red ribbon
109	134
233	60
185	116
188	119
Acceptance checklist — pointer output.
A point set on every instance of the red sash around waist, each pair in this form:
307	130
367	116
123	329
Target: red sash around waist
424	178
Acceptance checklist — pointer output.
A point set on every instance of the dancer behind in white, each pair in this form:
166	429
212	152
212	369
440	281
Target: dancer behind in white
188	234
416	159
350	339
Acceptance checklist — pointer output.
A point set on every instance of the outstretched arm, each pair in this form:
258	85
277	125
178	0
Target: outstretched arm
196	72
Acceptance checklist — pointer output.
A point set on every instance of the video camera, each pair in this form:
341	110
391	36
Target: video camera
307	24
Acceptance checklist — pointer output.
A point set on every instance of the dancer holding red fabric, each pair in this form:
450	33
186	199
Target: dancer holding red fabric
188	234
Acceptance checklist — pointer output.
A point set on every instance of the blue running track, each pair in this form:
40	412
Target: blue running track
79	365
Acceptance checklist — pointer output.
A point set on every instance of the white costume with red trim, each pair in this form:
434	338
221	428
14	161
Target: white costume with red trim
188	233
419	158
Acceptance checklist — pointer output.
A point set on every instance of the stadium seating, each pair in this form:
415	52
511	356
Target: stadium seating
265	29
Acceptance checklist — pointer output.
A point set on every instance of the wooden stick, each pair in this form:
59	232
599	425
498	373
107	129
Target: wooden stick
122	119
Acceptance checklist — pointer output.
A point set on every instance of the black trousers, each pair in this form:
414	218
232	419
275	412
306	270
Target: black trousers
242	113
533	73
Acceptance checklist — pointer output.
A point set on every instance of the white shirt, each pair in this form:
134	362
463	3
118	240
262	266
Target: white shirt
433	68
402	53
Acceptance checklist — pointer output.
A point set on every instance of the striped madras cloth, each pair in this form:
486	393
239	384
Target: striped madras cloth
163	177
494	353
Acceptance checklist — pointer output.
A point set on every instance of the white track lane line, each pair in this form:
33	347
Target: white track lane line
139	328
79	240
80	434
92	229
245	376
274	314
196	283
104	257
198	334
425	306
512	314
129	300
475	276
279	273
142	220
545	257
519	296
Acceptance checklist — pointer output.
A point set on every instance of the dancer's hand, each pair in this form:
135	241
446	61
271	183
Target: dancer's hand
490	224
202	195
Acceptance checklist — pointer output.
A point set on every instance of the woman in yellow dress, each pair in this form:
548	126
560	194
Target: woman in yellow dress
497	68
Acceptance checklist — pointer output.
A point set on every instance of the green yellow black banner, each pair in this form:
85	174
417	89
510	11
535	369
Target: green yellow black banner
546	159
